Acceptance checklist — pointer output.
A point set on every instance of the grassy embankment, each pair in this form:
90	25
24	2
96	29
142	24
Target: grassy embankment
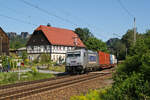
12	77
57	68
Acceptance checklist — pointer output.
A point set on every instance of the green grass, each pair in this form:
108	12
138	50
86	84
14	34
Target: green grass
12	77
57	68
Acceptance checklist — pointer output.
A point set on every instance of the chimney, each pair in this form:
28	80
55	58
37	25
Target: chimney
49	25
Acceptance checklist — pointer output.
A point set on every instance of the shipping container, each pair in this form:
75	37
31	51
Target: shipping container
104	59
112	59
107	59
101	56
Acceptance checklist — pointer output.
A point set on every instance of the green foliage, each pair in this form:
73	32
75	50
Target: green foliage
92	95
17	42
24	55
8	77
4	61
91	42
34	71
95	44
83	33
57	68
12	77
117	47
132	78
134	87
45	58
128	38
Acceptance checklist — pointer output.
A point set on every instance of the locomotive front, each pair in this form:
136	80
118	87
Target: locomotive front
74	61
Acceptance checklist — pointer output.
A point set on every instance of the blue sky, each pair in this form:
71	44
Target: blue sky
102	17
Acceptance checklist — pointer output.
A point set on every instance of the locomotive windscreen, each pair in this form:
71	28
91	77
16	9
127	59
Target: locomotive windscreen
73	54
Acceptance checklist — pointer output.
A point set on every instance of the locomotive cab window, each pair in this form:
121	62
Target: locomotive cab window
77	55
73	55
69	55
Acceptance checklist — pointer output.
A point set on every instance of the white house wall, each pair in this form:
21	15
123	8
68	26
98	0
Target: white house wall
56	51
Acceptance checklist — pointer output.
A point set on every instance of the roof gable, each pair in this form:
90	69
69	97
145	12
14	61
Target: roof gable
58	36
3	32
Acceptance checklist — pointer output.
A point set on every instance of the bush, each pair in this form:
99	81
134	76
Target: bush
34	71
92	95
132	88
8	77
132	78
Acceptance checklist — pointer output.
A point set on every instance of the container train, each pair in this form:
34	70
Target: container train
82	61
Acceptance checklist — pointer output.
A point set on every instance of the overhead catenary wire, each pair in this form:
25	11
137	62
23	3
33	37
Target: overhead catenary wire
43	10
121	37
18	20
51	14
131	15
125	9
47	12
85	22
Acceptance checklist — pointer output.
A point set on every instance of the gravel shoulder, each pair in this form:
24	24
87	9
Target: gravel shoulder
65	93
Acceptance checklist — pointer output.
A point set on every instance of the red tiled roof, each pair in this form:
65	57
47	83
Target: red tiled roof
59	36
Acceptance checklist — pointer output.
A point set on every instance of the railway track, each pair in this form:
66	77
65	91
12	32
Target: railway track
28	88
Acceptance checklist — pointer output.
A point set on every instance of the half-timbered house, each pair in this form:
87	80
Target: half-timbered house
4	43
53	41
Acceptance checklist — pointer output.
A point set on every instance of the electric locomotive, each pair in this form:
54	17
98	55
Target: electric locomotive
81	61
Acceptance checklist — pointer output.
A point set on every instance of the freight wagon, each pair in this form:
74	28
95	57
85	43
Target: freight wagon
81	61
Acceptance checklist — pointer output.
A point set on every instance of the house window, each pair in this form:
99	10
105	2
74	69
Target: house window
35	47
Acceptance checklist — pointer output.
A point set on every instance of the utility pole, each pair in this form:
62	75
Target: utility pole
134	30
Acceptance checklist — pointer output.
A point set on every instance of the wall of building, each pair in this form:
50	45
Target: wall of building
4	43
57	52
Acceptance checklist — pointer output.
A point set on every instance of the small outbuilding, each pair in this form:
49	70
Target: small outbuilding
4	43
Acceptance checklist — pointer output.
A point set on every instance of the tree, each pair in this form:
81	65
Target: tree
91	42
117	47
17	42
96	45
45	58
24	56
128	38
132	78
83	33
